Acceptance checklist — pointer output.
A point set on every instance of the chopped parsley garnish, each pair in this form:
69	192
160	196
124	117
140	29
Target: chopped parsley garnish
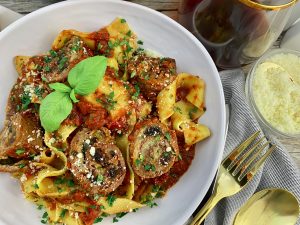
100	178
129	33
59	180
40	207
166	155
20	151
139	50
137	91
38	91
134	210
47	68
75	48
45	218
140	42
62	63
128	48
104	215
177	109
60	190
148	200
39	67
99	46
123	20
102	207
149	167
109	104
98	220
150	204
132	74
53	53
96	197
110	200
110	44
25	100
21	165
147	76
47	59
63	213
156	188
118	216
70	183
168	136
179	156
76	45
126	86
36	186
192	111
44	78
45	215
137	162
172	70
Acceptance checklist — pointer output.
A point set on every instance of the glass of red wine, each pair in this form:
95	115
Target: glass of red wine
235	32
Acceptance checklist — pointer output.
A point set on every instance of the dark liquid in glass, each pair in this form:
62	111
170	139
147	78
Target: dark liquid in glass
225	28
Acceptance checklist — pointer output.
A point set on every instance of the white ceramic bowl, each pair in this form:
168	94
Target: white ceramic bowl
34	33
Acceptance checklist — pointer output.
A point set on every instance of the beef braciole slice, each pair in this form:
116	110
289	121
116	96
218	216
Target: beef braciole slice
153	148
152	74
21	136
55	66
96	162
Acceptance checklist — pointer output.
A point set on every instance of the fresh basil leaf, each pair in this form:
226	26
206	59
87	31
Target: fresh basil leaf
60	87
73	97
85	76
54	109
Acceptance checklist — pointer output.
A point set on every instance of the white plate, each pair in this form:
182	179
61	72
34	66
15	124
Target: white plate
34	33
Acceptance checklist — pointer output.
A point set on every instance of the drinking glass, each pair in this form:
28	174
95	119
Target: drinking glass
235	32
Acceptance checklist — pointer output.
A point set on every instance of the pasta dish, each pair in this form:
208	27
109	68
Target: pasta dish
99	126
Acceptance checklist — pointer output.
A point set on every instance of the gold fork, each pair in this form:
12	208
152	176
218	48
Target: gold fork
236	170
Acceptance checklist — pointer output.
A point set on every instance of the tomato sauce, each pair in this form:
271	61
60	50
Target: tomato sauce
94	117
89	216
168	179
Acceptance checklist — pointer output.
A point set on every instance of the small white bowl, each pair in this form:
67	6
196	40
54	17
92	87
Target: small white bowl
266	126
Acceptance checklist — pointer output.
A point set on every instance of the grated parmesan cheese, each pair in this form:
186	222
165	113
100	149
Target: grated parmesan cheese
92	151
23	178
276	90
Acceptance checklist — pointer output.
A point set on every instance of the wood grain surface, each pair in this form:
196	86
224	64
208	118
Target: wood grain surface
168	7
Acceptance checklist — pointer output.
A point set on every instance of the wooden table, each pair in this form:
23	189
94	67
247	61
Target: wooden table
168	7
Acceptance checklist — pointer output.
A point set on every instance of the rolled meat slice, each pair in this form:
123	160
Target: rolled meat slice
151	74
96	162
153	148
21	136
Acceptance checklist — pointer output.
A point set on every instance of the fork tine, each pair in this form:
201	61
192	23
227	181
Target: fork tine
237	151
245	156
257	165
252	158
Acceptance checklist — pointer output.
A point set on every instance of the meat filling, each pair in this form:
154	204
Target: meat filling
153	148
96	162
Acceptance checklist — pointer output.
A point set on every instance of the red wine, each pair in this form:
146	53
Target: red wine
225	28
